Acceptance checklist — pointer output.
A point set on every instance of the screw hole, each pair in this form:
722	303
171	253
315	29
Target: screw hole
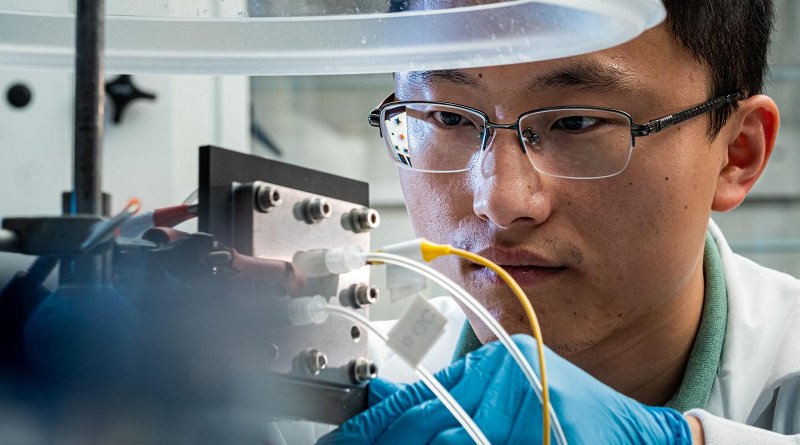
355	333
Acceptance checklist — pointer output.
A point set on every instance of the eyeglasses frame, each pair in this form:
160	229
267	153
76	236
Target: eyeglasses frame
637	130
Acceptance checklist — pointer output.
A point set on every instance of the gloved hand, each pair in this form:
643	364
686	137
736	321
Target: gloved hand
493	390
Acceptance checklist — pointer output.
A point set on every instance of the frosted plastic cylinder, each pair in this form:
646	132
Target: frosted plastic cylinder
307	310
214	38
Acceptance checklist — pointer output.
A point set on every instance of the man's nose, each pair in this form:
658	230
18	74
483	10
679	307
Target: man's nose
507	189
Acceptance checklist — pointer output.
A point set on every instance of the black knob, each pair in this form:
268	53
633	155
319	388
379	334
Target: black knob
19	95
122	92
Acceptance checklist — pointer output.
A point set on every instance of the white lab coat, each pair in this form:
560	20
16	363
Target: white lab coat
758	380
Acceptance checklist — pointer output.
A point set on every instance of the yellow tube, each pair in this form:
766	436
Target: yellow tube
431	251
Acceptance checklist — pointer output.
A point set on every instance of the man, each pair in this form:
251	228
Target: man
604	221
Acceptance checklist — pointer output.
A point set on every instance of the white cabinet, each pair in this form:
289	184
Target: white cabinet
151	154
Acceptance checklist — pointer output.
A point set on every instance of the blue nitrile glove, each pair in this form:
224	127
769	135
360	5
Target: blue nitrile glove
493	390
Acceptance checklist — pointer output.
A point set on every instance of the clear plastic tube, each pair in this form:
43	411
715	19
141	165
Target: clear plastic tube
472	304
430	381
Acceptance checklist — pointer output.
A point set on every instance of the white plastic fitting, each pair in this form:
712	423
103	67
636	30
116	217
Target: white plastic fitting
344	259
308	310
411	249
321	262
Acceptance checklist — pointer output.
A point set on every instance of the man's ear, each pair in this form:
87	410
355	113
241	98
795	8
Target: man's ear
750	134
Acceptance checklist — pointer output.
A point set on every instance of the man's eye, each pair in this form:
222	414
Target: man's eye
576	123
450	119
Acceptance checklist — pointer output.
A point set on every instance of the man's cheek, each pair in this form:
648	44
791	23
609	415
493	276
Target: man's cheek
435	203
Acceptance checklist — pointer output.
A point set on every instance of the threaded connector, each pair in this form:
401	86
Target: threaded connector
316	361
364	294
266	197
314	210
363	370
361	220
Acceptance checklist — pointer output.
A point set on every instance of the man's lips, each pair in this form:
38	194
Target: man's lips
527	268
524	275
518	257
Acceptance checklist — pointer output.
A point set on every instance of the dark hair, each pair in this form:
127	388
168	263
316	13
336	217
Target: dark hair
732	38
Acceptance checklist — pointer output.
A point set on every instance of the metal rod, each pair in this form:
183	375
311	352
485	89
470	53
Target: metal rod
87	164
89	107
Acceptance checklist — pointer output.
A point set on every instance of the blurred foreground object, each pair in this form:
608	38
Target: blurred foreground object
278	37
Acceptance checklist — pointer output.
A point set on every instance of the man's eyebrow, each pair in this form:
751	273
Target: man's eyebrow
584	76
449	76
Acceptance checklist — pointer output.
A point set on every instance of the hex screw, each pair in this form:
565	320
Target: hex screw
364	295
361	220
267	198
316	361
363	370
315	210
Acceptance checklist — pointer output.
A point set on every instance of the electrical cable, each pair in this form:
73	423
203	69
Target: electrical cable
431	251
476	307
427	378
105	230
171	216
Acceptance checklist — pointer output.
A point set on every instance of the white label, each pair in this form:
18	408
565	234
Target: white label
416	331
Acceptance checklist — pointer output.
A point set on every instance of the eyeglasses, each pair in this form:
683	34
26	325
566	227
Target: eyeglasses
576	142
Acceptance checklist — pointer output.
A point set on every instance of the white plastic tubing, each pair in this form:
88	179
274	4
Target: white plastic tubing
436	388
472	304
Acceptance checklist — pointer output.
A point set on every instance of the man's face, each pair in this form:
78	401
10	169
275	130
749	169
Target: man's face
596	257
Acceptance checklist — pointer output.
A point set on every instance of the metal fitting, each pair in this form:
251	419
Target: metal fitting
266	197
315	210
364	294
316	361
361	220
363	370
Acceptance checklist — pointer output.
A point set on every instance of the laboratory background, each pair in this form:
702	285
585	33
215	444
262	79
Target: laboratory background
155	120
317	122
